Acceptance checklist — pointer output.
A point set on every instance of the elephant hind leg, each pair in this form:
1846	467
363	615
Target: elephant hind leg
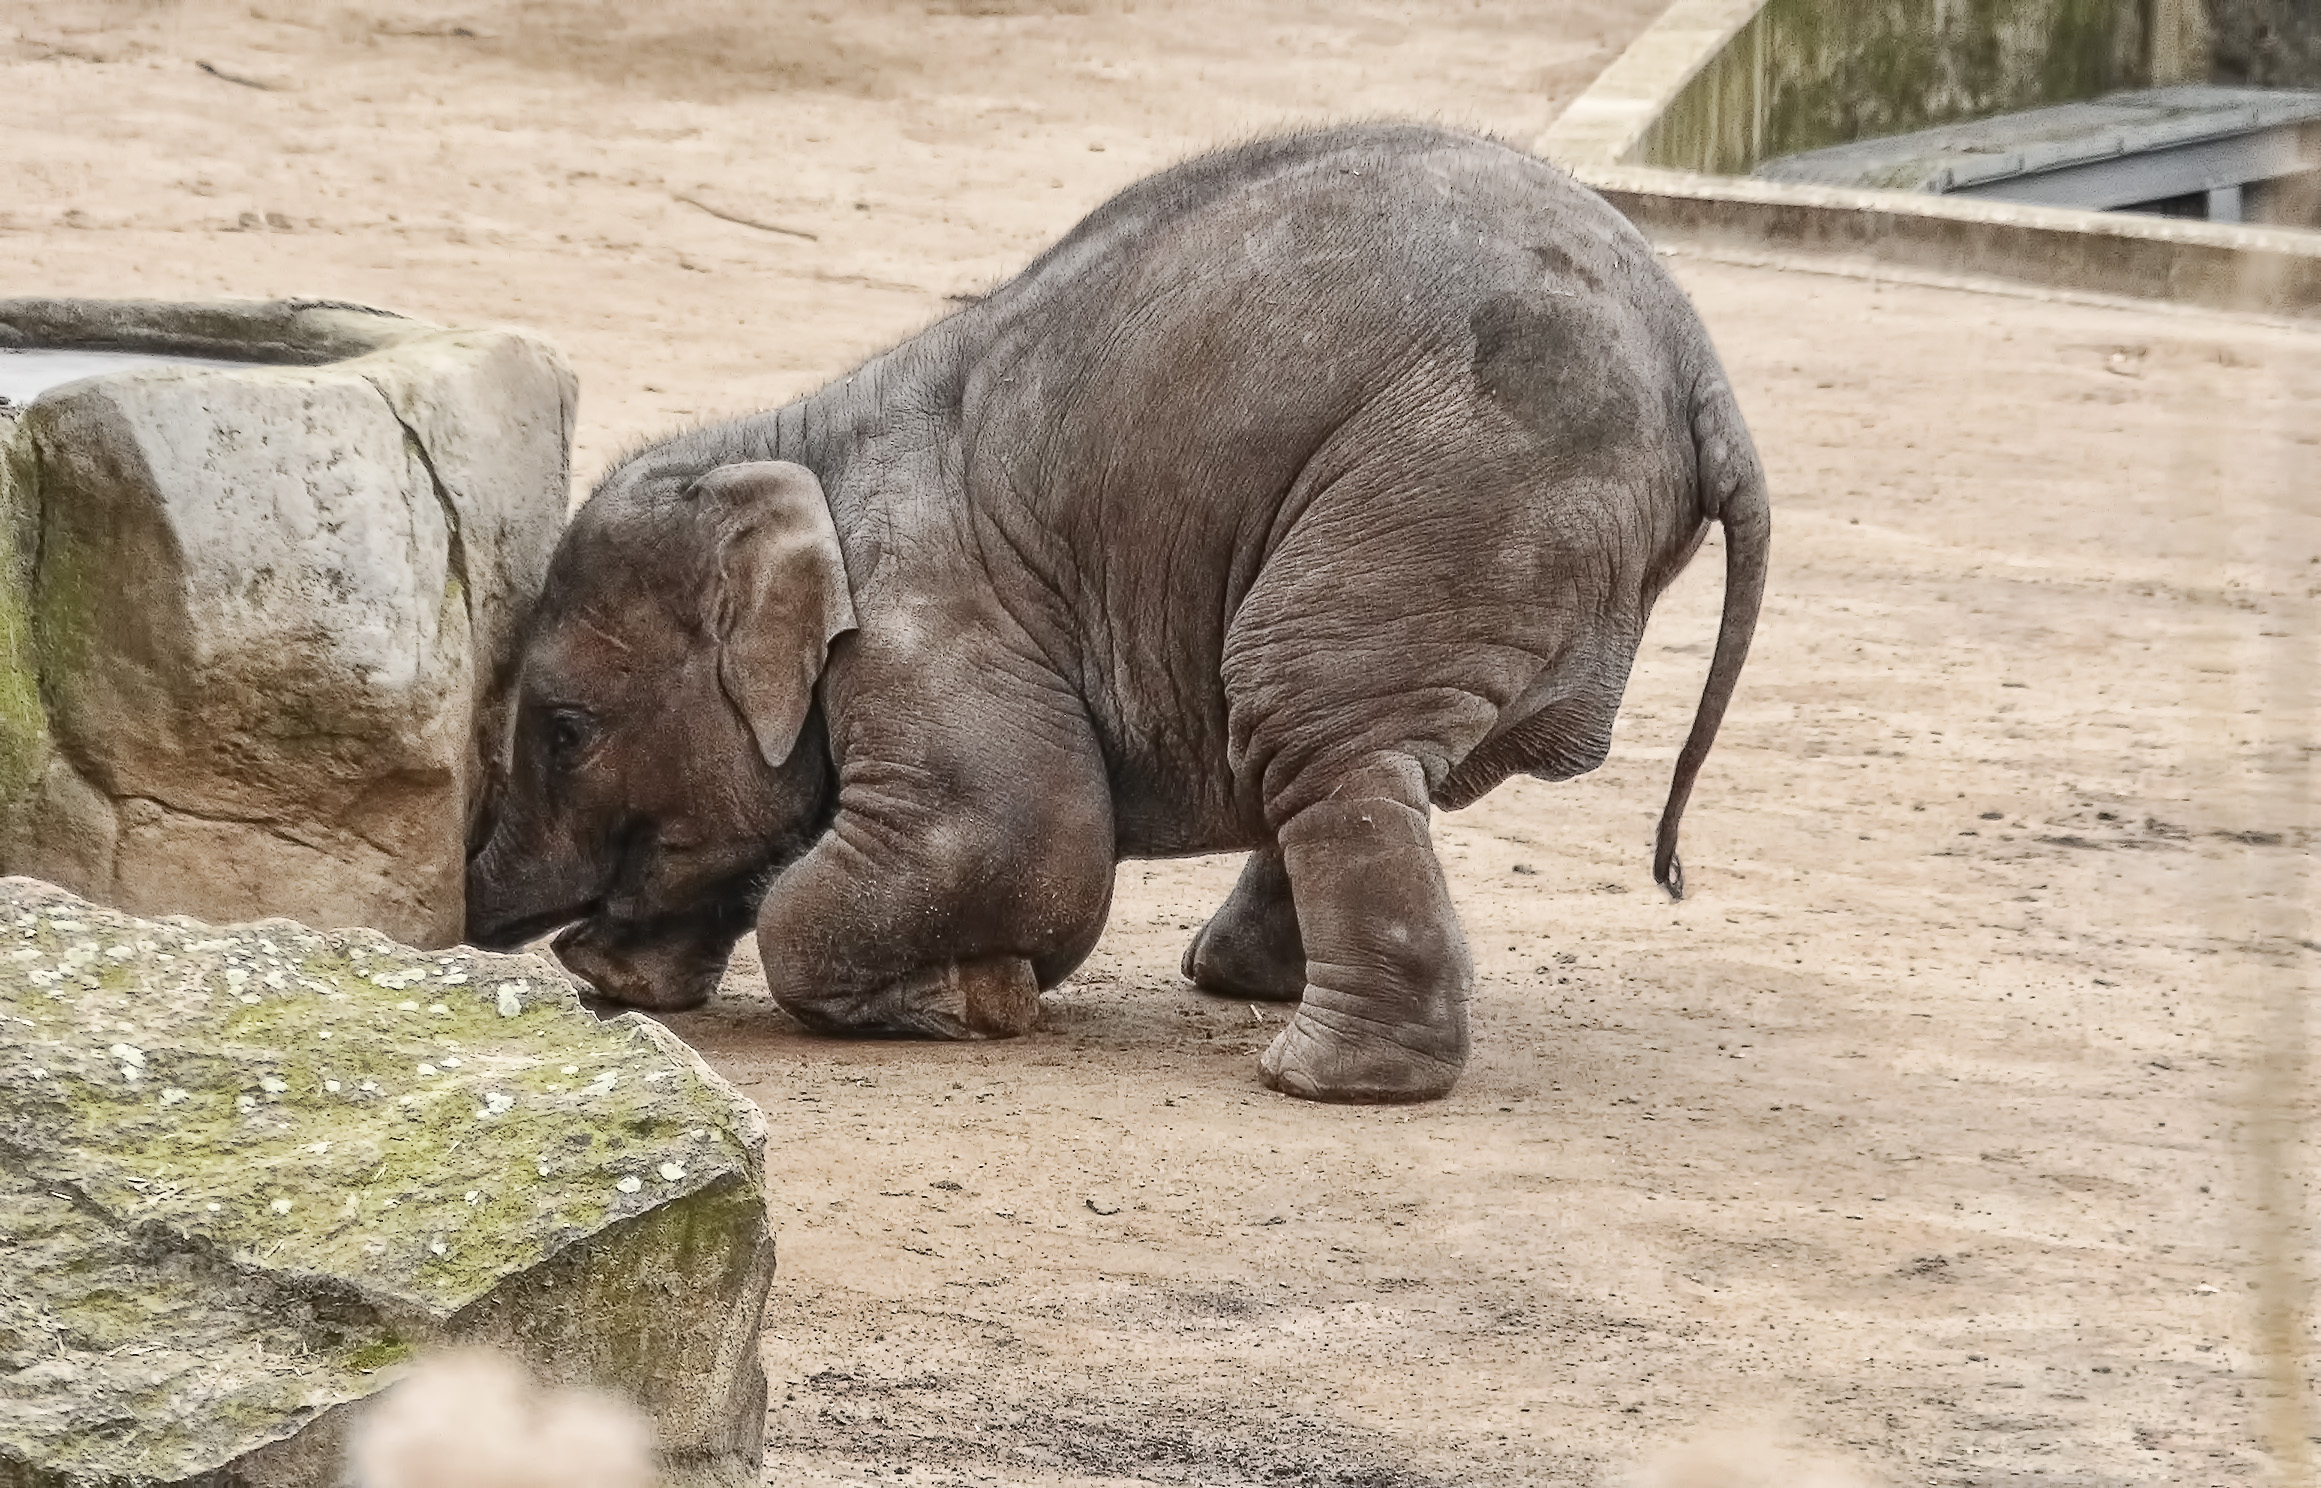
1250	947
1384	1015
1560	728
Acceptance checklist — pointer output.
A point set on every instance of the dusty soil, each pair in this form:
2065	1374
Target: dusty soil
1918	1138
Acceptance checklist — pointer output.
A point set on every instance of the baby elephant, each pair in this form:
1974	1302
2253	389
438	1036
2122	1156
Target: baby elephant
1300	490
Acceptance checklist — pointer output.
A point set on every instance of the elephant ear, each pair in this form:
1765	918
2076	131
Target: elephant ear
778	593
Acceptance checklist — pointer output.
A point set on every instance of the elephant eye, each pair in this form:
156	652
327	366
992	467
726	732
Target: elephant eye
568	733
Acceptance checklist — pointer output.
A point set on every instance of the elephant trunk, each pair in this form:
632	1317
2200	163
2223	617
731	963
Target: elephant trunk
516	891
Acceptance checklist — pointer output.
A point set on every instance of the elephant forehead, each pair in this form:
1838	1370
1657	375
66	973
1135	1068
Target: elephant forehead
615	571
627	637
608	540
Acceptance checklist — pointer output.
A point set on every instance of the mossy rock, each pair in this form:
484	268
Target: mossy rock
247	1172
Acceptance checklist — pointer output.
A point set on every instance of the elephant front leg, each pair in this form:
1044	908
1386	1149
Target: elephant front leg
1384	1015
939	918
1250	947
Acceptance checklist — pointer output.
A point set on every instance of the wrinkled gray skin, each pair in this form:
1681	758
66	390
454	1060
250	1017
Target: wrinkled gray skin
1300	490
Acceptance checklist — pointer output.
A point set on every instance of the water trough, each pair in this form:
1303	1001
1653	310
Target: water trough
27	372
260	570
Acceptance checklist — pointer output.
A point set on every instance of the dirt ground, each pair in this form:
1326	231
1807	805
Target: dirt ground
1918	1139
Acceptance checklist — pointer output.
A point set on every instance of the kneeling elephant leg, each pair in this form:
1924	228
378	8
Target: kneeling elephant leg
1384	1017
939	921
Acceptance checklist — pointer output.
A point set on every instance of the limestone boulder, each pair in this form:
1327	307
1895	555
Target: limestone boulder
246	1173
258	598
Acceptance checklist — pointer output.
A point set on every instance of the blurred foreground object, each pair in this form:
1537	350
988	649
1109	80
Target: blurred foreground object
475	1419
247	1173
259	577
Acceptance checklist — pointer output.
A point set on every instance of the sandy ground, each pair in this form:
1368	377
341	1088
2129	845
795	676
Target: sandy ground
1918	1139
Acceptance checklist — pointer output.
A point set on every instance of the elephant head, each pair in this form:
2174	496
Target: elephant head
665	753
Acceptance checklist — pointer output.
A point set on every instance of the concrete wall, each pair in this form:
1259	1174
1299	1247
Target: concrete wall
2268	43
1714	85
1801	74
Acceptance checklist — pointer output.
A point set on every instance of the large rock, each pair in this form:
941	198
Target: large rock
245	1173
255	618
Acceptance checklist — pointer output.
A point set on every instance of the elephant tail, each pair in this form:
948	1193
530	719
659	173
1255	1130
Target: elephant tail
1732	492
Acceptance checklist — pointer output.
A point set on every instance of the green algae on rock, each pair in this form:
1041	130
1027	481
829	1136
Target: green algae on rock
246	1171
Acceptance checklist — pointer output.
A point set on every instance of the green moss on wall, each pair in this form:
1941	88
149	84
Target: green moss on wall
23	720
2265	43
1808	73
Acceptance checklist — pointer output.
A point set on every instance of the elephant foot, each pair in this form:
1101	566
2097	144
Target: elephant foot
1337	1055
994	998
1384	1018
1243	966
1250	947
997	998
